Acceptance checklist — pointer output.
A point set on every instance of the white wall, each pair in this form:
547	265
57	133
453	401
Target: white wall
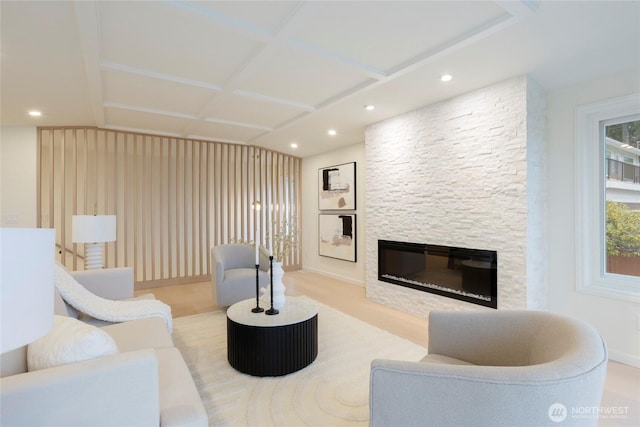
18	177
352	272
616	320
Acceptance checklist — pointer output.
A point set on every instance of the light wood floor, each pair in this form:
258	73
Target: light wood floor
622	387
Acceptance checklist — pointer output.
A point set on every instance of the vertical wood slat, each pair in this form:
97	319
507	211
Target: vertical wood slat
63	187
193	210
75	193
170	238
170	211
135	204
52	183
171	246
105	189
208	210
152	216
162	205
217	221
115	180
95	176
202	251
254	195
177	238
185	230
228	231
127	198
144	209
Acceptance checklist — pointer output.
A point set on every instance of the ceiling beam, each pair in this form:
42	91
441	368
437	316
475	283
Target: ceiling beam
242	28
108	65
149	110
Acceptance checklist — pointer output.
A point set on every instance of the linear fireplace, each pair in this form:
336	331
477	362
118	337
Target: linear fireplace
465	274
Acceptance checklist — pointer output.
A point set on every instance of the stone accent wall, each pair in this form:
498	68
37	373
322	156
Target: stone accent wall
537	199
457	173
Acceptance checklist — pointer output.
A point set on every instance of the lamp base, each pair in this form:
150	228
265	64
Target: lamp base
93	255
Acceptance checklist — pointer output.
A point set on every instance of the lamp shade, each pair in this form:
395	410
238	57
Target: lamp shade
93	228
27	257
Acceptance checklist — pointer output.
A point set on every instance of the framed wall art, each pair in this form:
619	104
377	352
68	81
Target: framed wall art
337	187
337	236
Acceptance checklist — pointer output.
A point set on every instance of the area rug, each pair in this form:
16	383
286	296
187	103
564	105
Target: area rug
332	391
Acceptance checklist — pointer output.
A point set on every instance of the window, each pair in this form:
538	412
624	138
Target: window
622	201
608	198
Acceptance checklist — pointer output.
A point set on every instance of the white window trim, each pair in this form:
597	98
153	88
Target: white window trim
589	228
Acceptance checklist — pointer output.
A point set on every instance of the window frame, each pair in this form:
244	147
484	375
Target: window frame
590	238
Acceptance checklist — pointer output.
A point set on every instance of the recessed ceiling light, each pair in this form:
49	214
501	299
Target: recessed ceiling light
370	107
446	77
332	132
293	145
35	113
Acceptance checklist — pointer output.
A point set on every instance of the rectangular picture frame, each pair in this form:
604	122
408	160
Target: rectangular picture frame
337	236
337	187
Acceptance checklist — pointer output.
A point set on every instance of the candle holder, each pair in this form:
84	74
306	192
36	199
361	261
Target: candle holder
257	308
272	311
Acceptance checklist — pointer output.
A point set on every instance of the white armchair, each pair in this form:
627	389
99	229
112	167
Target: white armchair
233	275
500	368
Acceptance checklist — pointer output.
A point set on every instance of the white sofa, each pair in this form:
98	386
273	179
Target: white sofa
147	383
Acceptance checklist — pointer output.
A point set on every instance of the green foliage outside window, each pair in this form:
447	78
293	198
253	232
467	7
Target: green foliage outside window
627	133
623	230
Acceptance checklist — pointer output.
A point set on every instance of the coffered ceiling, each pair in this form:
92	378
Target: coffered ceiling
271	73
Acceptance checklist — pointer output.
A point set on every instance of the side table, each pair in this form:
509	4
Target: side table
262	345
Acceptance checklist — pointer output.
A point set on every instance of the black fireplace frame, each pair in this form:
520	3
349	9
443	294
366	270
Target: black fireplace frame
459	253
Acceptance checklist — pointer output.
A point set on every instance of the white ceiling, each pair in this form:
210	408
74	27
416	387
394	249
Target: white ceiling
270	73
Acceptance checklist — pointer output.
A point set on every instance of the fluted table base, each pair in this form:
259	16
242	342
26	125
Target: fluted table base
269	350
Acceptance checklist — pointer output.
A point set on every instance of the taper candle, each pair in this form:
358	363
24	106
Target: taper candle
271	229
257	237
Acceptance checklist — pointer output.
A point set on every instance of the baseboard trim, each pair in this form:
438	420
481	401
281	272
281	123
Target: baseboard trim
150	284
334	276
627	359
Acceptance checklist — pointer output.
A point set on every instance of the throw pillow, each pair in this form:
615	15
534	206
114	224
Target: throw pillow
69	341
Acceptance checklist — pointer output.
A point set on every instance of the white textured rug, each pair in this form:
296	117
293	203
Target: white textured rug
332	391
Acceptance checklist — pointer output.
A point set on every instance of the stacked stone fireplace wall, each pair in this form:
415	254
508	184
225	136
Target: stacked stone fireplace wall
466	172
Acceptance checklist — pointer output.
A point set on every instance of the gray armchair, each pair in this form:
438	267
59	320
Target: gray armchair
500	368
233	275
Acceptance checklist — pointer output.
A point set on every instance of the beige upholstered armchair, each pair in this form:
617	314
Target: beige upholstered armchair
500	368
233	275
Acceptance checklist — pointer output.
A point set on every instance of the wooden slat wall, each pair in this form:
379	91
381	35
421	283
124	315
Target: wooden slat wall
174	198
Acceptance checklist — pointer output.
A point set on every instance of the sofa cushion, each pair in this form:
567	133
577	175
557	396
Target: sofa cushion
444	360
180	403
148	332
69	341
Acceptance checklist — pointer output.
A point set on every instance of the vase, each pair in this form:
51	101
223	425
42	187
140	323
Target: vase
278	289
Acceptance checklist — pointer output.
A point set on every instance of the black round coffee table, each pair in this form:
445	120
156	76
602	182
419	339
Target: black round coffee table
270	346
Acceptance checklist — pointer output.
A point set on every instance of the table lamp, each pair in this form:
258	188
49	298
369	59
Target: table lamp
93	231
